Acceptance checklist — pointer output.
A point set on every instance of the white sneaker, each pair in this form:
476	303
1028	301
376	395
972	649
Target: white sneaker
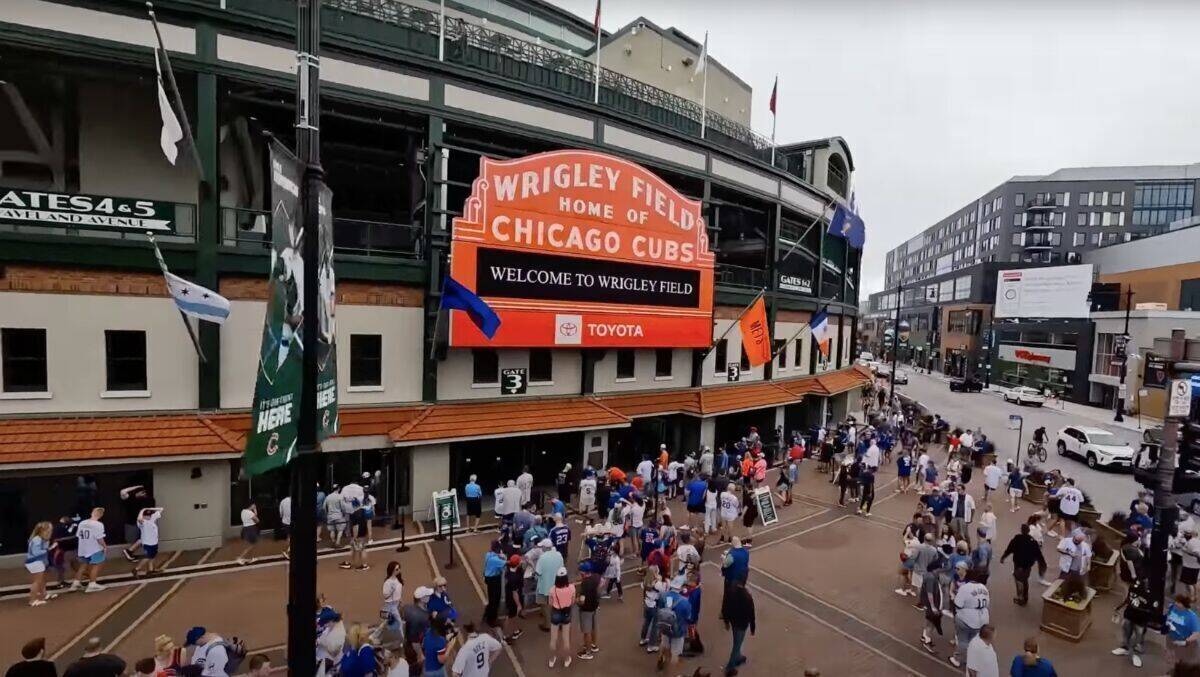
567	662
1120	651
955	662
901	591
37	602
74	587
1137	660
95	587
553	660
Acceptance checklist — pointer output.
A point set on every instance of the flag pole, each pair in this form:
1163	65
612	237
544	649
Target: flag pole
187	126
774	119
442	30
163	266
762	292
815	221
437	325
704	90
596	69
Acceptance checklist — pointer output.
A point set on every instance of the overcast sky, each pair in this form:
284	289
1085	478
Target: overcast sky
941	101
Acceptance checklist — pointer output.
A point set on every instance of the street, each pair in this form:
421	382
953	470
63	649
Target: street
1109	490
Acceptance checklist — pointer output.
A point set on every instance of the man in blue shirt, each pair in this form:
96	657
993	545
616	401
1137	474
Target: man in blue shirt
671	647
534	534
474	495
493	571
696	490
560	536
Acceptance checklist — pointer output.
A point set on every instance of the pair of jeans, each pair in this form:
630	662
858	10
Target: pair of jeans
1021	576
965	634
493	600
1133	637
648	616
735	653
868	497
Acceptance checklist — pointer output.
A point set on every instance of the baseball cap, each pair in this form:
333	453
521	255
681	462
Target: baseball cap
194	635
585	567
422	593
562	571
545	543
514	560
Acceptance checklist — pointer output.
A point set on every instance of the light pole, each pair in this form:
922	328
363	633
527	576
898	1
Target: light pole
302	570
1119	416
895	345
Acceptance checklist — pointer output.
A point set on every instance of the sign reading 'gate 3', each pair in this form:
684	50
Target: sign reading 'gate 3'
575	248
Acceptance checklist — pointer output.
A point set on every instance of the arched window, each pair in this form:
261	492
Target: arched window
837	178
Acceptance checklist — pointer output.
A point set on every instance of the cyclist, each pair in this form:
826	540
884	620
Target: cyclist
1039	436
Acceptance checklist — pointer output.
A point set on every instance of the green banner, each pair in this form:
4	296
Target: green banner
22	206
276	410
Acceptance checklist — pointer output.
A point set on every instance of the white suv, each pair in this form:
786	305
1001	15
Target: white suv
1096	446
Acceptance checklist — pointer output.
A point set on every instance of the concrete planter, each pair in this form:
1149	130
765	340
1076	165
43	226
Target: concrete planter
1103	573
1089	517
1069	620
1109	535
1035	493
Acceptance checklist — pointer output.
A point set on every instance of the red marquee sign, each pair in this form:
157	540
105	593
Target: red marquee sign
580	249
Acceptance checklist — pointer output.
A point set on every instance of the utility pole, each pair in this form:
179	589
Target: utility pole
895	345
1164	489
1120	415
302	571
988	340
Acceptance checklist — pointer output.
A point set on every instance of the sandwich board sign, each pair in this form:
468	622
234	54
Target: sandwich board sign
766	505
445	511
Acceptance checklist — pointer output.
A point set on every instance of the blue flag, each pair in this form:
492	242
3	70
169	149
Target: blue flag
846	224
457	297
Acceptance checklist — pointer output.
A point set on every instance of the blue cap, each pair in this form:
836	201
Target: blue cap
194	635
328	615
585	567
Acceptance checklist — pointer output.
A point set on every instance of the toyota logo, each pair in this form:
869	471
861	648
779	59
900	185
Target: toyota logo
568	329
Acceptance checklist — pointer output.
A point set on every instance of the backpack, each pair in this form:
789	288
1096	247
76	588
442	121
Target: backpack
664	620
235	652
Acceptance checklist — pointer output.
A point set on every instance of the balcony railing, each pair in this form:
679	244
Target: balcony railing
251	228
740	276
533	64
1043	203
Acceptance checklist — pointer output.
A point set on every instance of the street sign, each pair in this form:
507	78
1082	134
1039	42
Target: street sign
1142	392
1123	391
1014	421
514	381
765	501
1181	398
445	511
1154	374
733	371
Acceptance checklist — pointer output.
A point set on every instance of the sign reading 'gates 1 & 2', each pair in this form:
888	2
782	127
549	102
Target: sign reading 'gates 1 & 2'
575	248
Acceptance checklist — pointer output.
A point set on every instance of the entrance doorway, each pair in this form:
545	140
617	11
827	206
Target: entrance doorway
495	461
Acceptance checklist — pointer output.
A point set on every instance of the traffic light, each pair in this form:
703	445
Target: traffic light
1187	473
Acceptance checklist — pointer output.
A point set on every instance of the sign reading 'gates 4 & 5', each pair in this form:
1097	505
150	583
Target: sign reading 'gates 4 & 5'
35	207
575	248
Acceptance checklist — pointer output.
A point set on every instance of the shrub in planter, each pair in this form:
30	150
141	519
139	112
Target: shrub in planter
1088	514
1066	608
1103	572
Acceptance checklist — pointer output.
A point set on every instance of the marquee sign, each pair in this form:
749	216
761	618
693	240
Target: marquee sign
576	248
67	210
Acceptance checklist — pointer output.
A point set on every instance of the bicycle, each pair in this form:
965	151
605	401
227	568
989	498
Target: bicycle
1036	450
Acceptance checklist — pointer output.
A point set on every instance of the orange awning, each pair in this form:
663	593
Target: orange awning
471	420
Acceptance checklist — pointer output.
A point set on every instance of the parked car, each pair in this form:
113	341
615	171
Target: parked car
901	377
1024	395
866	358
966	385
1097	447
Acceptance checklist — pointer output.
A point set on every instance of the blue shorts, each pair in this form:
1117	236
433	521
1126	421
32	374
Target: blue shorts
95	558
151	551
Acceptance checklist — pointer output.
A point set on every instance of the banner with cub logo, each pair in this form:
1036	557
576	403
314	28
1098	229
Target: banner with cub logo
275	414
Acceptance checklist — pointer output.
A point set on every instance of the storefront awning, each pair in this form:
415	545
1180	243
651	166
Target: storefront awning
470	420
836	382
49	441
661	403
729	399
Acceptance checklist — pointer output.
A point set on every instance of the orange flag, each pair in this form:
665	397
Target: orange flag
756	336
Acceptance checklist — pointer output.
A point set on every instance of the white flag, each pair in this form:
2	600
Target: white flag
703	61
192	299
172	133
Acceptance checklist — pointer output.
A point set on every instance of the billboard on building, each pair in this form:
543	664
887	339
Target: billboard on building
582	249
1037	356
1059	291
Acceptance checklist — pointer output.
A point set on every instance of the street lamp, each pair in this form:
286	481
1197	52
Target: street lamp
1124	339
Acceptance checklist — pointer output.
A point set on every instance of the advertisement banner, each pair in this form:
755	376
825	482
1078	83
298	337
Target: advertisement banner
1155	372
73	210
577	248
275	412
1058	291
1044	357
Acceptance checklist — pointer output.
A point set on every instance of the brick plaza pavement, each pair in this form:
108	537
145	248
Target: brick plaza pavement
822	579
